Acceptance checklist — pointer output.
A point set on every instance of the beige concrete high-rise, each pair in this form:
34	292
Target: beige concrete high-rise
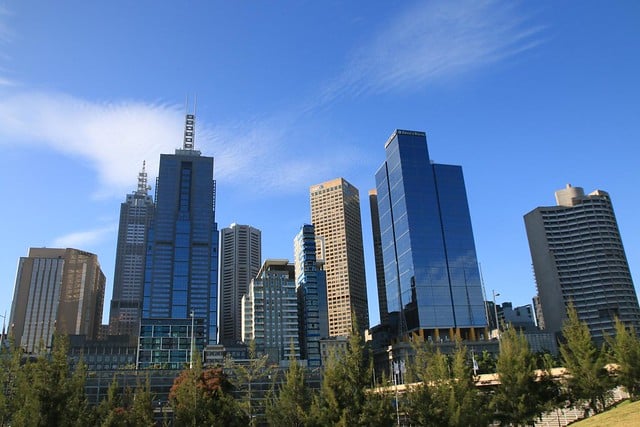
57	290
335	213
578	258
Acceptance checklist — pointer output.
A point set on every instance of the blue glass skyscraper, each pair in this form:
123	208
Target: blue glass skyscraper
311	287
431	272
181	273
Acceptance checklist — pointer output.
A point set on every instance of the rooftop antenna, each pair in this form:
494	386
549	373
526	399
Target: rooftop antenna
143	187
189	128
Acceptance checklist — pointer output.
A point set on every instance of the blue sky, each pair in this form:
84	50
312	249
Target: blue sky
526	96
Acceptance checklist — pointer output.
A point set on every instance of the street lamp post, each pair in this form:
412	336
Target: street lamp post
495	310
193	344
4	317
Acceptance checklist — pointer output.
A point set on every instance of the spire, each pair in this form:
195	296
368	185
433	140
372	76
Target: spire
142	180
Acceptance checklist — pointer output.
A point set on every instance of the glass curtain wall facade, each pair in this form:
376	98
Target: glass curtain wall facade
377	252
312	296
430	267
181	274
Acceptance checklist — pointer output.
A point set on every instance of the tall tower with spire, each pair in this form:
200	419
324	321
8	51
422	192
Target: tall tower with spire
136	213
181	274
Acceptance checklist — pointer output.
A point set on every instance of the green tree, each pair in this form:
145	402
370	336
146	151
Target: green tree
426	401
46	391
524	394
625	352
446	394
249	378
291	405
142	405
25	405
202	397
343	399
126	408
588	379
466	404
379	409
486	363
20	406
9	370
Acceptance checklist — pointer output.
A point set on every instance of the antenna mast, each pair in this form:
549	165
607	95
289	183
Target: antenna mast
143	187
189	128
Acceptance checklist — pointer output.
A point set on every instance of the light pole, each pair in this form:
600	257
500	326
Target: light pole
397	370
4	317
193	344
495	310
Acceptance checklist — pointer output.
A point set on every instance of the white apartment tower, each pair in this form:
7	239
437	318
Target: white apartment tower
270	311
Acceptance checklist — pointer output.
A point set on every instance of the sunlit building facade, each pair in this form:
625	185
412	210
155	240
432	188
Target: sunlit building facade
335	214
57	290
578	257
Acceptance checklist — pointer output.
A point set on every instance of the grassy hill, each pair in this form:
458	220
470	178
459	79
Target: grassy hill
627	414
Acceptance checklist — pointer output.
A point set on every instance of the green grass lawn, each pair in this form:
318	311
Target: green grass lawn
626	414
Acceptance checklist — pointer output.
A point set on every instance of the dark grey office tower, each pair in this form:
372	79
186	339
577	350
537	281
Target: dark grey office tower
181	274
430	267
578	256
377	252
240	261
136	214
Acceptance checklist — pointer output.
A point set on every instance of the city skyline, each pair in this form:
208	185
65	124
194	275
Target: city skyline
525	97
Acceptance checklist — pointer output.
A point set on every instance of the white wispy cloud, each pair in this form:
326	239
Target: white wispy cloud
86	238
432	41
114	138
427	42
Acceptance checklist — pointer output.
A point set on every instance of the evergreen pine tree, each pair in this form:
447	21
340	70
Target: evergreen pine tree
588	379
625	352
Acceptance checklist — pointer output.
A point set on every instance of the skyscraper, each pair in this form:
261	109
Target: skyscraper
57	290
270	311
430	267
128	281
578	256
377	252
335	214
311	287
181	273
240	259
